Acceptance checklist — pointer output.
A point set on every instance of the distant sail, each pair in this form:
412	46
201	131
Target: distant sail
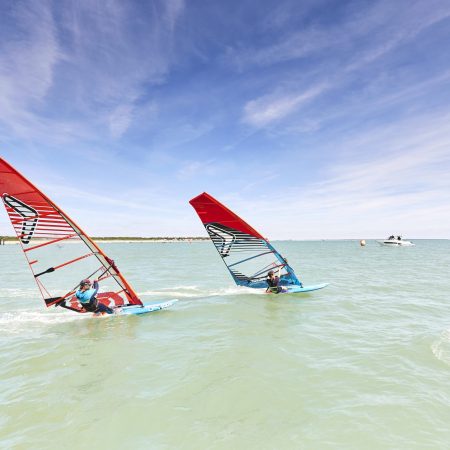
58	252
248	255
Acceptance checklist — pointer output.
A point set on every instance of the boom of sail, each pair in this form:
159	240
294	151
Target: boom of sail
248	255
58	252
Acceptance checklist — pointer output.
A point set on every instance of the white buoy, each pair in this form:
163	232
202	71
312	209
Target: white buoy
362	242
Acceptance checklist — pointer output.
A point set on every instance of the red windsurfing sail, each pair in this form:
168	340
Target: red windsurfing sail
212	211
247	255
58	252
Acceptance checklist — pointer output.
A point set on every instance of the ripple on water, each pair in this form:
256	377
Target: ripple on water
347	367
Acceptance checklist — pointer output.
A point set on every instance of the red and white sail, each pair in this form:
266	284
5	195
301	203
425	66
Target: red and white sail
57	250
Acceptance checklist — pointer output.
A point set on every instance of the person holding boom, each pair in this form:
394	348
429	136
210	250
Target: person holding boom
87	298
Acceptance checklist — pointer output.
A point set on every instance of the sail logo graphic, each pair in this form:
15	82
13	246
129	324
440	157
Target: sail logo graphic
222	238
29	214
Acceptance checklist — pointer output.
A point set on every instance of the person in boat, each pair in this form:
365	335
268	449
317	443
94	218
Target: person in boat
391	237
86	295
273	282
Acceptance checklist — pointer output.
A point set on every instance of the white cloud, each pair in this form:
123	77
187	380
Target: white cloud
390	180
399	31
269	108
27	65
386	24
120	119
362	38
174	9
192	169
93	66
117	57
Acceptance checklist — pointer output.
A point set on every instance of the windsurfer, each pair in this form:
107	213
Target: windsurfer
86	295
273	283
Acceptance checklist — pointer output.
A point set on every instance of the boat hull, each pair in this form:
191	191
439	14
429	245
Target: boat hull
394	243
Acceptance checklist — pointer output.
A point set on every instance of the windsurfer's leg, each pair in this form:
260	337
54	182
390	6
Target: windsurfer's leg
101	308
90	307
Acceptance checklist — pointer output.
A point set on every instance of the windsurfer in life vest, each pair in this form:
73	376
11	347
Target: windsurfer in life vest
273	283
86	295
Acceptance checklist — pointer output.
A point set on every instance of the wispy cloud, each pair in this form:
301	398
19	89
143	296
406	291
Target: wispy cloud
402	188
396	32
120	119
269	108
364	37
174	9
89	59
192	169
28	57
378	27
119	57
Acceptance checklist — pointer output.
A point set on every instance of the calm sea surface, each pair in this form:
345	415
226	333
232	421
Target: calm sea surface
361	364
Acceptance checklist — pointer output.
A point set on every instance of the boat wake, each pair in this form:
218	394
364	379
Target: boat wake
441	347
20	321
198	292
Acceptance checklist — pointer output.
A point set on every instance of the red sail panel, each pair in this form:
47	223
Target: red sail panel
212	211
56	248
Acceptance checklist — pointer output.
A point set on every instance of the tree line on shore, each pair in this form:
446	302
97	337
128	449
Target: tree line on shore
126	238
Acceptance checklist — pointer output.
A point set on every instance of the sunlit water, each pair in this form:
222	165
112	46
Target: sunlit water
362	364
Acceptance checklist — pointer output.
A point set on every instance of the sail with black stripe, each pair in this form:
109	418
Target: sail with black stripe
248	255
58	251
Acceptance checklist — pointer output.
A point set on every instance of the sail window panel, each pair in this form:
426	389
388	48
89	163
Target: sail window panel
256	268
56	254
61	281
73	261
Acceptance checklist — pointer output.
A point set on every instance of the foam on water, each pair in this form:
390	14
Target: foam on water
441	347
197	292
20	321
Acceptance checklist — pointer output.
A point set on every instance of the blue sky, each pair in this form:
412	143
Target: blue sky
310	119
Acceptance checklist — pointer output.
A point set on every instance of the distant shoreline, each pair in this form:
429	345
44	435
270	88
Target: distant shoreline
7	240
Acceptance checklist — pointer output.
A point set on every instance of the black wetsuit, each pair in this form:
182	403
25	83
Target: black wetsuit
96	307
274	285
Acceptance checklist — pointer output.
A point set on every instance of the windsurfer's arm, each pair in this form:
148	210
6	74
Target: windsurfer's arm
279	273
95	287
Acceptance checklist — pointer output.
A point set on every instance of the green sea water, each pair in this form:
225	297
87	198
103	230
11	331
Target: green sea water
361	364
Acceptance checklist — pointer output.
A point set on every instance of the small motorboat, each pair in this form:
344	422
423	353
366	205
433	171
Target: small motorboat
396	241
